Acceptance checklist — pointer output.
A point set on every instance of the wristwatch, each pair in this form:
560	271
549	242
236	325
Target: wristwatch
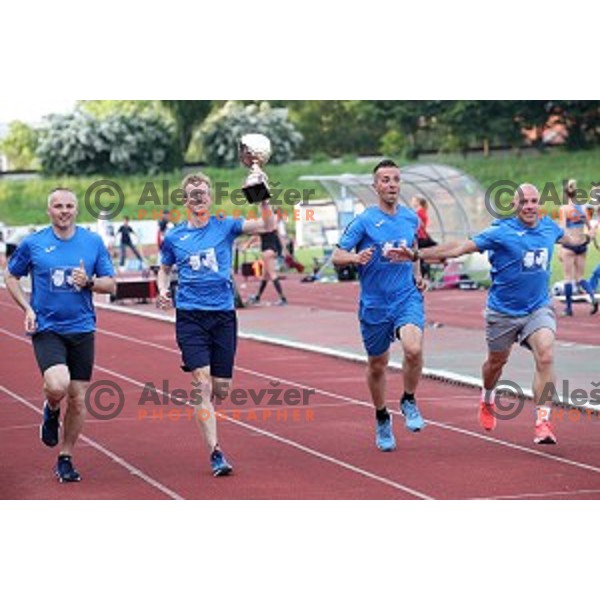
416	255
89	284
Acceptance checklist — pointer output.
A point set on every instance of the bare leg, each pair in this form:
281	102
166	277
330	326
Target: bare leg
74	416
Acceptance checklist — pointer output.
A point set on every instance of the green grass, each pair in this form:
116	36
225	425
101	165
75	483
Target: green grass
24	201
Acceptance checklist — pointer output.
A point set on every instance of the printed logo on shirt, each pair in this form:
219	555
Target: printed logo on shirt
379	224
61	280
385	247
204	261
50	249
535	260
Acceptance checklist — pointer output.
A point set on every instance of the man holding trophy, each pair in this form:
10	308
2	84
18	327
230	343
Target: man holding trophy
206	323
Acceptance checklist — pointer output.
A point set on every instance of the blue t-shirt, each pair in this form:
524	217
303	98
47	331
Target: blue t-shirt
521	259
203	259
384	285
59	305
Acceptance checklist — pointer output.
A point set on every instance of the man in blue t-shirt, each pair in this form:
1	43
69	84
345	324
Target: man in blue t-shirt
66	264
391	301
206	324
519	306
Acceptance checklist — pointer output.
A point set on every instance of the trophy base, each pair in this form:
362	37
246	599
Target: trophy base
256	193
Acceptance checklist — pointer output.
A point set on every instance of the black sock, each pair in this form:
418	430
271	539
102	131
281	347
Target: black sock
409	397
261	289
382	415
278	288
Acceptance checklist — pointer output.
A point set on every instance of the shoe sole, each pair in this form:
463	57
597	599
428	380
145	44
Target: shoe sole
223	472
63	480
547	440
390	449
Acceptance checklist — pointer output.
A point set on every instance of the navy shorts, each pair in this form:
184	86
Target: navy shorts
75	350
377	337
207	338
581	249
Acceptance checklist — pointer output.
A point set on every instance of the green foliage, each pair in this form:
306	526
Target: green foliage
336	127
223	129
103	108
20	145
393	143
188	115
81	144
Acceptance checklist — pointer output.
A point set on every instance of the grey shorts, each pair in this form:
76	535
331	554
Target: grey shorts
502	331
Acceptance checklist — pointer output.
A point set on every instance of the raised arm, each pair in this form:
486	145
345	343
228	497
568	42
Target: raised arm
265	223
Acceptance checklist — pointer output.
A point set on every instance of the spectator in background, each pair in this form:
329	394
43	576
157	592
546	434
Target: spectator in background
163	225
126	232
272	247
574	217
424	240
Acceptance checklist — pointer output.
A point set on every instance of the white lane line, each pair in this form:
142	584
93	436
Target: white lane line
103	450
301	447
349	400
539	495
263	432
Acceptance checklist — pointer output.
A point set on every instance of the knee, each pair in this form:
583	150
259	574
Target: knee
497	363
76	403
413	353
545	358
376	369
56	386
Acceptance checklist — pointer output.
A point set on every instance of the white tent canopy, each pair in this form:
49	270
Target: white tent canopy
456	200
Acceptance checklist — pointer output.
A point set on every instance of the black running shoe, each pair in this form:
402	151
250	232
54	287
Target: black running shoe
65	471
50	426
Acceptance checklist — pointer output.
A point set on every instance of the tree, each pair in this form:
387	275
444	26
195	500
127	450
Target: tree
103	108
222	131
20	145
187	114
81	144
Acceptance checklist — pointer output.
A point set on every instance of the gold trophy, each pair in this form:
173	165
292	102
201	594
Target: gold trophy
255	151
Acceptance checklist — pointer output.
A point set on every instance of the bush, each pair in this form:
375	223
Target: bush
19	145
81	144
222	131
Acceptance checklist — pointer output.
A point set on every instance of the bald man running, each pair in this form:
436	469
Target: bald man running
519	307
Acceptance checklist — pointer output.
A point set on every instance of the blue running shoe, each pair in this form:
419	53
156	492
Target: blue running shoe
413	419
384	436
65	471
220	466
50	426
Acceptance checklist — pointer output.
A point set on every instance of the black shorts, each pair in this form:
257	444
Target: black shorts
207	338
581	249
76	350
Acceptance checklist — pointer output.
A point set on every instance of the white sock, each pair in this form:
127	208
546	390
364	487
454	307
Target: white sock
542	414
488	396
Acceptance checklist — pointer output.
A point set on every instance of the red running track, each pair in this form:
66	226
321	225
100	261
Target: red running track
455	308
326	453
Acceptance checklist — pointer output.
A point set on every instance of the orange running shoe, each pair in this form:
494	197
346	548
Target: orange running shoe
487	419
544	434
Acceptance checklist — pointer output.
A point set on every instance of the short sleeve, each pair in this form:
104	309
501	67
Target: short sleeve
559	232
488	239
19	264
104	266
352	235
167	254
237	226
